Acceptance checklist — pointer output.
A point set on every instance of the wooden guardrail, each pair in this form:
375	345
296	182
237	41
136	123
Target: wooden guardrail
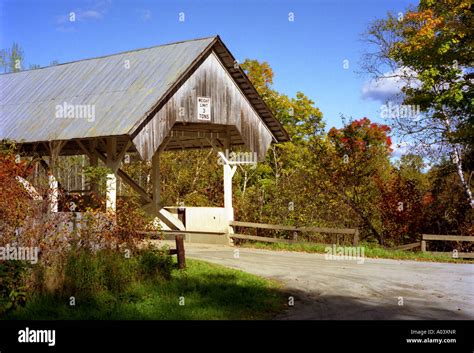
179	251
174	232
407	246
431	237
354	232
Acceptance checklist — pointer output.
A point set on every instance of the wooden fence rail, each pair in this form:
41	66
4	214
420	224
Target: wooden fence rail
407	246
346	231
427	237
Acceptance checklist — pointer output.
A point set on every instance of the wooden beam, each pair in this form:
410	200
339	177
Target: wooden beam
129	181
264	239
273	240
174	232
84	149
294	228
261	225
165	143
155	178
54	151
122	153
124	176
327	230
94	162
447	237
111	150
228	138
407	246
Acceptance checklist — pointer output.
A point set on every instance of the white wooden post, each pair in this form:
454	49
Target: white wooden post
113	163
53	193
111	185
55	149
228	174
111	203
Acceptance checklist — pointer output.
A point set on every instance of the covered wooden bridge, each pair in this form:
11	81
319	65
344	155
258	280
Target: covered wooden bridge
179	96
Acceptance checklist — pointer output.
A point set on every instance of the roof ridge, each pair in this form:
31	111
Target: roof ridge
109	55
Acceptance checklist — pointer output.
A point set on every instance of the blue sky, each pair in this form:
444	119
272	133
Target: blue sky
306	54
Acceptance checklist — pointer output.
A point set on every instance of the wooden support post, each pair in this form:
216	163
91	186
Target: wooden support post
74	222
295	236
94	162
125	178
180	252
55	150
155	177
355	241
228	174
423	245
53	193
111	193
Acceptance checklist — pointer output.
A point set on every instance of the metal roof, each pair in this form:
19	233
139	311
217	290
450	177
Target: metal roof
124	90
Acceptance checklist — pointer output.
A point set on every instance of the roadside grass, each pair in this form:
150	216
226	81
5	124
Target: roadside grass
207	292
370	251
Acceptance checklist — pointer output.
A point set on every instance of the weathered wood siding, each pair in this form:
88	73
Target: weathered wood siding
228	107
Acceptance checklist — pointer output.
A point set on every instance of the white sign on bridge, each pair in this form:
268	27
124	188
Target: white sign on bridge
204	108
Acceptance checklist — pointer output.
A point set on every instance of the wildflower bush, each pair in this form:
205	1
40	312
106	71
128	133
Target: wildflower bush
79	253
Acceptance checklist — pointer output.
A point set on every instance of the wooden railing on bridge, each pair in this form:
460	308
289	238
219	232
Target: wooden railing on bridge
336	231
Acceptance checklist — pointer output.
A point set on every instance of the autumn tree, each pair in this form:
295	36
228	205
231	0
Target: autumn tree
276	190
430	50
403	199
348	166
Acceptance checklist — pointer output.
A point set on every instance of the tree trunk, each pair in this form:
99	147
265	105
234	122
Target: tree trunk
458	163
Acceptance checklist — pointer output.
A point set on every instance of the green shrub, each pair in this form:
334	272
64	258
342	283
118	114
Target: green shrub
82	274
12	284
117	271
155	264
86	272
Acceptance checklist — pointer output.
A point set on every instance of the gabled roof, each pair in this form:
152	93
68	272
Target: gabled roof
126	90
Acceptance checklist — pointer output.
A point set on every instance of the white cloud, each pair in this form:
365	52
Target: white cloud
399	149
65	22
389	86
79	16
90	14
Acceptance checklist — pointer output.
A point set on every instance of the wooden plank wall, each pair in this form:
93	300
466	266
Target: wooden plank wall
228	107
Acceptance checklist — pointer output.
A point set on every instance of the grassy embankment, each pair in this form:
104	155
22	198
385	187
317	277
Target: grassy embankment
201	291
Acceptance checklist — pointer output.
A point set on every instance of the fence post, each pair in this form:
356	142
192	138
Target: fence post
180	251
423	245
74	221
295	235
355	241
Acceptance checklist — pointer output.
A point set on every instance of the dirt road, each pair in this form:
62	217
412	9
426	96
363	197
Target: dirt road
343	289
